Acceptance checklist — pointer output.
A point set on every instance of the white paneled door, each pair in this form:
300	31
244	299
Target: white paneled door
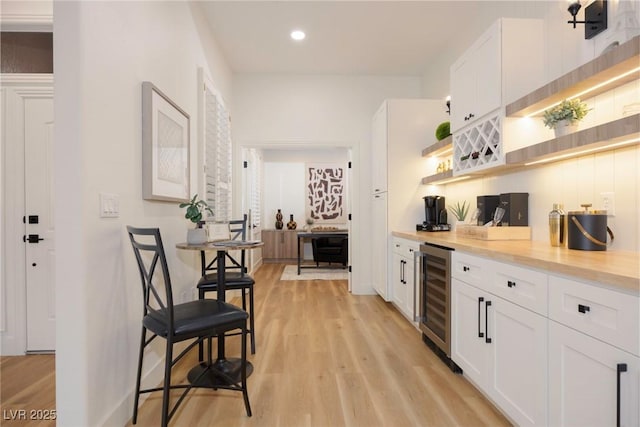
39	226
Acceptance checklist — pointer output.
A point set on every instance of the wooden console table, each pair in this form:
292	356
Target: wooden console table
279	246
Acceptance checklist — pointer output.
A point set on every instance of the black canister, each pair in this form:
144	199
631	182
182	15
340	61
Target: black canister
588	229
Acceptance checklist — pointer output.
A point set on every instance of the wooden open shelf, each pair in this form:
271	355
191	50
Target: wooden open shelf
439	148
623	59
594	138
437	178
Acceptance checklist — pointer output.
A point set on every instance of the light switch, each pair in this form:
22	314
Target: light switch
109	205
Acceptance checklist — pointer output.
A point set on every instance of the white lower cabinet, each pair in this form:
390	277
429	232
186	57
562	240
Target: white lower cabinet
547	350
403	276
591	383
502	348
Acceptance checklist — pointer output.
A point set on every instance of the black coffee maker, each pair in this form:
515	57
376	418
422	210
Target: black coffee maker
435	214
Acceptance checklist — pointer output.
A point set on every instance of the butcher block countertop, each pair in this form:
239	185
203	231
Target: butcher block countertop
618	269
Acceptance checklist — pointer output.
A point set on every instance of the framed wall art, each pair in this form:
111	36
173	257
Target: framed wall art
165	147
325	193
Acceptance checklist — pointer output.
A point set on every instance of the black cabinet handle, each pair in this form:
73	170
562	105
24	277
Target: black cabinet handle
622	367
465	268
583	308
480	334
471	115
511	284
401	271
486	321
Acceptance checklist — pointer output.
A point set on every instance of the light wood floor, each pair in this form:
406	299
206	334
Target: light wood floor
324	358
27	383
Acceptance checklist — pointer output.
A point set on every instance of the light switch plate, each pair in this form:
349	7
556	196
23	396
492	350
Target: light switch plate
109	205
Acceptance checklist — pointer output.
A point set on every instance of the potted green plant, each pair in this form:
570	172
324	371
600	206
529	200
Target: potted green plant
565	116
443	130
195	209
460	211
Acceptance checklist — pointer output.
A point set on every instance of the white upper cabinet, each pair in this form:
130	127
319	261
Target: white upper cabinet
505	63
379	150
475	80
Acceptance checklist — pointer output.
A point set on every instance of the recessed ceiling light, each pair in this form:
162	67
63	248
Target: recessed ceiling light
298	35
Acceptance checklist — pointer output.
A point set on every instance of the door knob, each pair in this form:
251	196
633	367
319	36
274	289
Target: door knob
32	238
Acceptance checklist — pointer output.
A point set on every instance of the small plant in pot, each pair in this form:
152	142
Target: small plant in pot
194	213
565	116
460	211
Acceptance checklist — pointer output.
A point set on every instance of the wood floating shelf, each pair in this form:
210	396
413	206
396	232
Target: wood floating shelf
439	148
608	71
437	178
597	138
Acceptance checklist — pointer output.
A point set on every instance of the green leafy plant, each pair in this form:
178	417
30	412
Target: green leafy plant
195	209
571	110
443	130
460	211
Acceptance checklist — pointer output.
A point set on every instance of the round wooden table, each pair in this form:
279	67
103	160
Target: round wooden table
224	371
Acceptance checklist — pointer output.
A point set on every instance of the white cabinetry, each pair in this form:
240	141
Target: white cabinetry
486	77
594	338
379	150
547	350
475	80
500	346
584	378
403	278
400	128
379	240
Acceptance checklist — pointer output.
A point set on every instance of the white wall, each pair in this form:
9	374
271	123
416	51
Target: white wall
571	182
103	52
321	111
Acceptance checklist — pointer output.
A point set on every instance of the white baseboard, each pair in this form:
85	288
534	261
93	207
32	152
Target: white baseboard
122	413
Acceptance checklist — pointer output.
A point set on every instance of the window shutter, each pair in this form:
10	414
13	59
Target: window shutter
217	135
255	174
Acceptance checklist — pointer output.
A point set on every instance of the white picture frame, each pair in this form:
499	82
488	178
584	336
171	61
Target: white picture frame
165	147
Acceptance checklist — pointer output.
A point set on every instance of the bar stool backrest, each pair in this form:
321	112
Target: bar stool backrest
152	264
238	231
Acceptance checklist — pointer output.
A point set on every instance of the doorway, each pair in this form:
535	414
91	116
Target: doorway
281	184
28	233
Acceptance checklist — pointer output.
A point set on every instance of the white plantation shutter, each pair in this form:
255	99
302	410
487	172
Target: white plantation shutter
255	174
217	137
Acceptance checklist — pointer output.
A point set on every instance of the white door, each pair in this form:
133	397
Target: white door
518	377
469	348
379	241
584	381
39	227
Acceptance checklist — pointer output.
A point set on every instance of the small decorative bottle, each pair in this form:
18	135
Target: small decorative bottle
279	223
556	226
291	225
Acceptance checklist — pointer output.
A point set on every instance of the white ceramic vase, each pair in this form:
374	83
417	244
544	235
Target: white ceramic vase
196	236
565	127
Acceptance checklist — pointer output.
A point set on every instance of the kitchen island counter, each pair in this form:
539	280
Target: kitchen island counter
618	269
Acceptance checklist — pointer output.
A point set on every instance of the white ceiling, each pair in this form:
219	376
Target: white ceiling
352	37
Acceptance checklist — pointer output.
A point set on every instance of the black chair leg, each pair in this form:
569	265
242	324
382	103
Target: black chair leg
245	393
167	383
200	345
143	337
251	322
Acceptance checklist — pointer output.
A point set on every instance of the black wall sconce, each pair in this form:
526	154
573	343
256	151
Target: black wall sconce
449	105
595	17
